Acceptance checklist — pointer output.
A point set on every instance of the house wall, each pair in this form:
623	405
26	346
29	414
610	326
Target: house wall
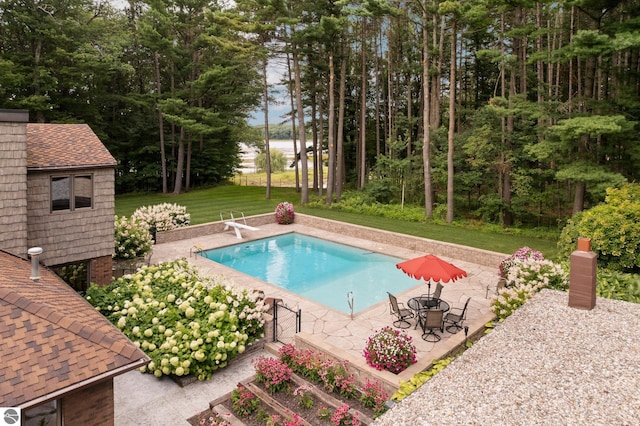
13	181
89	406
71	236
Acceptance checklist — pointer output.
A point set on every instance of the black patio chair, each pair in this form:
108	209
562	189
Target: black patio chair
430	320
402	313
456	317
432	300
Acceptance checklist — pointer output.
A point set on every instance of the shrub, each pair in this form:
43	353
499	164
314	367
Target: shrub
303	362
186	323
244	401
390	349
527	277
406	388
334	376
303	396
132	238
284	213
274	373
162	217
521	254
374	397
342	417
613	227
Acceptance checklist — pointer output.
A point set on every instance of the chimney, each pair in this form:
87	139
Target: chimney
34	252
582	278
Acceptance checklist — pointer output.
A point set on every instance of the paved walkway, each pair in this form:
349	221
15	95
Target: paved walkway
143	397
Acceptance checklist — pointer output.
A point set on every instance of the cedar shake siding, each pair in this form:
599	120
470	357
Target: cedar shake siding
71	236
78	232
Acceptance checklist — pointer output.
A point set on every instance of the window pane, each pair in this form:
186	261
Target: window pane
82	191
44	414
60	193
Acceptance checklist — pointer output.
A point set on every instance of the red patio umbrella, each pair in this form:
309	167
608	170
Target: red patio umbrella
431	268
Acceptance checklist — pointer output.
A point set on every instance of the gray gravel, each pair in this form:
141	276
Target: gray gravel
547	364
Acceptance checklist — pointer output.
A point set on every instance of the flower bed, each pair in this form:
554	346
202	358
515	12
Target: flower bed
299	386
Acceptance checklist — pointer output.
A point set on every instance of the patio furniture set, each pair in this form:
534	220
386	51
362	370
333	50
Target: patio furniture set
430	312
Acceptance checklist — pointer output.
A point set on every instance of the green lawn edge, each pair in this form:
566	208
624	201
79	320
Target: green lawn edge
206	205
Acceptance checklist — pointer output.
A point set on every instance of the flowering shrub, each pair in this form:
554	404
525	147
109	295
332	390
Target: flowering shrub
274	373
132	239
374	397
290	419
215	420
303	396
244	401
527	277
186	323
390	349
342	417
335	378
284	213
303	362
521	254
162	217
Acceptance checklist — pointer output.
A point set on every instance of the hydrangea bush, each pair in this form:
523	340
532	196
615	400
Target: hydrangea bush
519	255
162	217
187	324
390	349
132	239
284	213
527	277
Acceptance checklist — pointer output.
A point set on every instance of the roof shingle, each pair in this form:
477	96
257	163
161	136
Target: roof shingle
54	146
48	333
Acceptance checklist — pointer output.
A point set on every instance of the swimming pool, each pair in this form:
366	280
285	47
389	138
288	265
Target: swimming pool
317	269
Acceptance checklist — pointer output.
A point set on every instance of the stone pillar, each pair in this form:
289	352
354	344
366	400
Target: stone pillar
582	278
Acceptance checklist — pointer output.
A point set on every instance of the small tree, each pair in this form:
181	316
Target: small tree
278	161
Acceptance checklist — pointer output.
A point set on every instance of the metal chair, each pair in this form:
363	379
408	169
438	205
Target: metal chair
430	320
502	283
400	312
455	319
433	300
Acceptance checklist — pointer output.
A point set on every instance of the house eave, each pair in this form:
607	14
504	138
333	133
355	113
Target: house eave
85	383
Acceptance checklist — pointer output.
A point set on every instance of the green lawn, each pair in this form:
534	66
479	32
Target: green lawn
205	205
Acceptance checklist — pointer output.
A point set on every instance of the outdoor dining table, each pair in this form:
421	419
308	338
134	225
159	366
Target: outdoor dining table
422	303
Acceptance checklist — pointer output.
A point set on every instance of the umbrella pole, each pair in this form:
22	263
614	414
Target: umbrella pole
429	289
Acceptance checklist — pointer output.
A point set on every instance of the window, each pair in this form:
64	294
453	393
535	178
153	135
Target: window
43	414
71	192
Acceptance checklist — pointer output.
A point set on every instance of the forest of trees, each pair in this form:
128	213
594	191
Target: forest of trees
519	111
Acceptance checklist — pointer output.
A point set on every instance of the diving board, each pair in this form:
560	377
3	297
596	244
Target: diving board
237	226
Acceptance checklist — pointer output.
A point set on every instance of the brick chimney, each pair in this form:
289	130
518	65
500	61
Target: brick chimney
582	278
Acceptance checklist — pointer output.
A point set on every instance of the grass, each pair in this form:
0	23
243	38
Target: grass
205	205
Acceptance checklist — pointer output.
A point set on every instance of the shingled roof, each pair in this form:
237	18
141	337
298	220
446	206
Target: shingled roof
52	340
54	146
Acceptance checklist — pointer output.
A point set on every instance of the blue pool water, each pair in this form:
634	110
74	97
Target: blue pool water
317	269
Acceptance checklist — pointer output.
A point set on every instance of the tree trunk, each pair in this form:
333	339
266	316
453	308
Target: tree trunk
163	156
267	149
331	172
340	175
452	122
304	185
426	116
